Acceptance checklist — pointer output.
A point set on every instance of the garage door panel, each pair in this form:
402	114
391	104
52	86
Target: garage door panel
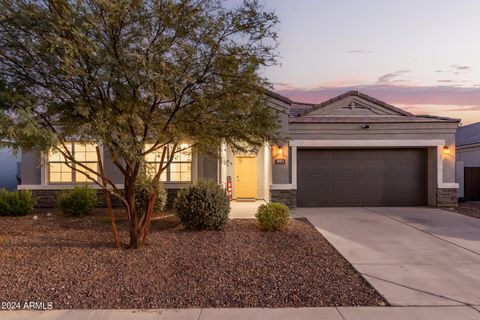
375	156
398	171
344	171
335	198
361	177
377	185
345	185
314	185
342	155
323	170
312	201
377	171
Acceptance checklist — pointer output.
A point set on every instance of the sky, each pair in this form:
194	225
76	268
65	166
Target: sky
419	55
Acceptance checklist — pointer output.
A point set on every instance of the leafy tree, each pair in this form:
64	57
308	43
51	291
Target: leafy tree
137	75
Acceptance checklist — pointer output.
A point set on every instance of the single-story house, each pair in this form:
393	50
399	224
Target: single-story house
352	150
468	162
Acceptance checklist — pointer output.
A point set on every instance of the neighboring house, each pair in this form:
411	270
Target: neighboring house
9	169
468	162
352	150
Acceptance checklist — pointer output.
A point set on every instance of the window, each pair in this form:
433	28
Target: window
180	170
60	172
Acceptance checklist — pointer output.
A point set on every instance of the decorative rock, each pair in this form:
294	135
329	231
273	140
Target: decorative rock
71	263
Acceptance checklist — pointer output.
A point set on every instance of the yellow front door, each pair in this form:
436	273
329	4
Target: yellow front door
245	177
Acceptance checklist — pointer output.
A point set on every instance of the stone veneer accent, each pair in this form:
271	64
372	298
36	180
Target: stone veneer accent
48	198
447	197
287	197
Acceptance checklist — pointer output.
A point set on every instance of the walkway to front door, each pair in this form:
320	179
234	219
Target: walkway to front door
412	256
244	209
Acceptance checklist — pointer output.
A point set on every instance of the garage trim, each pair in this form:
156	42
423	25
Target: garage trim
439	143
367	143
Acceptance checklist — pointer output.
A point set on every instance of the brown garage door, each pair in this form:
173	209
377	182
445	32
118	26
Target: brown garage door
361	177
472	183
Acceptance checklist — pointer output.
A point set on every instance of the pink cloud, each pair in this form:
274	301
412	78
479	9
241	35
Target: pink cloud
450	101
393	94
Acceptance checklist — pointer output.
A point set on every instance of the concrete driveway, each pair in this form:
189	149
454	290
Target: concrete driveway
412	256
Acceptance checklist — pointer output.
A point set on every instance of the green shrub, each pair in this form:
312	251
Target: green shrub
78	201
16	203
143	191
273	216
204	206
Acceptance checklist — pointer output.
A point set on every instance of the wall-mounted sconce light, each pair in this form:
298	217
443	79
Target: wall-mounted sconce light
279	155
279	151
446	150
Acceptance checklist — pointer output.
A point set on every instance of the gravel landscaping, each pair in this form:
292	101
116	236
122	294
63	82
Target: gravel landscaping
471	209
71	263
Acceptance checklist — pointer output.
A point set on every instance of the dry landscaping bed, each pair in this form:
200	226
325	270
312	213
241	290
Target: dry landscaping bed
471	209
71	263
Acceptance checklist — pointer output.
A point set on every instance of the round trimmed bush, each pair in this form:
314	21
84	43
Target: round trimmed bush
143	191
273	216
78	201
16	203
204	206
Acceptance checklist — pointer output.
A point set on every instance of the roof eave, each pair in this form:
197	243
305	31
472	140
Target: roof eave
277	96
326	120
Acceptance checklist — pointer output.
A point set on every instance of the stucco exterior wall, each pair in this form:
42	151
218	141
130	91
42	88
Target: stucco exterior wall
383	131
30	168
432	176
280	172
470	156
111	169
207	167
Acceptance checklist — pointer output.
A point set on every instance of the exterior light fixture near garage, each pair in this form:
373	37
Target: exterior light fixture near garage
446	150
279	155
279	151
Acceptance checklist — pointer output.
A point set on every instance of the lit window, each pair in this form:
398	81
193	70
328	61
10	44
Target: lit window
60	172
180	170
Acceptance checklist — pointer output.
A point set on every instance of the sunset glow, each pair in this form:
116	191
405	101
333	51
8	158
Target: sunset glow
422	56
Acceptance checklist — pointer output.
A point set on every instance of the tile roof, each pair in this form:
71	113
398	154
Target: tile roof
298	111
468	135
277	96
297	108
357	94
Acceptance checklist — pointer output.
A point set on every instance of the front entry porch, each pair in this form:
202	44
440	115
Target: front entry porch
247	178
244	209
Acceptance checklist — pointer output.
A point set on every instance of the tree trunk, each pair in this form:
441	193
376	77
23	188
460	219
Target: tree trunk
149	214
132	214
108	201
134	243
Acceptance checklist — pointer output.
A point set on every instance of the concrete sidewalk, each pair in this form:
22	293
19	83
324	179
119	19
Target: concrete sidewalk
353	313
